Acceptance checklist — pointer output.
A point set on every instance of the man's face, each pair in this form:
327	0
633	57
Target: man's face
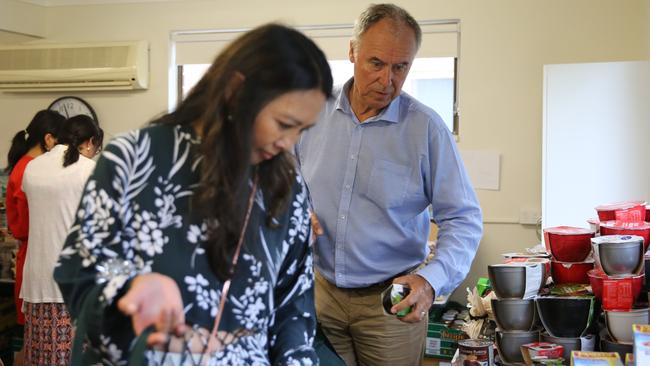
382	59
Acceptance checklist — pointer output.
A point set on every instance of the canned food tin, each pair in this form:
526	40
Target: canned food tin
393	295
476	352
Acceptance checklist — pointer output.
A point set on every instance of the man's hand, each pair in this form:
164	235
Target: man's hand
420	298
154	299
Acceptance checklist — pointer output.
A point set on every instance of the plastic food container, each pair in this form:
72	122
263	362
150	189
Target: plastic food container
567	243
567	272
621	291
609	211
594	225
641	229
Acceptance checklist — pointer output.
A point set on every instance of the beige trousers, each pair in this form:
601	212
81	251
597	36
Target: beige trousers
354	322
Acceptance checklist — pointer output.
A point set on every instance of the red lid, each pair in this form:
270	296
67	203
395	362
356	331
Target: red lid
619	205
568	230
598	273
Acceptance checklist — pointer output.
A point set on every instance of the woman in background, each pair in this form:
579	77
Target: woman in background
192	234
53	184
37	138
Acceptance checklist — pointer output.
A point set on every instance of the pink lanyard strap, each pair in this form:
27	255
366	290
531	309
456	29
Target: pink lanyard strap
226	285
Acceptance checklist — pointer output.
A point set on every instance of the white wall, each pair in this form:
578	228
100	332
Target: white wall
18	18
505	44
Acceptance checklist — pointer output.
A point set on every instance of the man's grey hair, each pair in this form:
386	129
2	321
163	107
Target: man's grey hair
376	12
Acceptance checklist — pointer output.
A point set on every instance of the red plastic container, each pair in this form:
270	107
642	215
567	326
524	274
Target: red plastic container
618	294
565	272
594	225
641	229
568	244
596	278
608	211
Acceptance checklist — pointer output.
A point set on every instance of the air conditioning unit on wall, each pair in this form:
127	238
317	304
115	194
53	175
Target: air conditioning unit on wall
75	67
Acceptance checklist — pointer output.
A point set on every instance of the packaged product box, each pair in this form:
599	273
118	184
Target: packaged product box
442	334
641	344
442	341
549	362
539	351
629	359
580	358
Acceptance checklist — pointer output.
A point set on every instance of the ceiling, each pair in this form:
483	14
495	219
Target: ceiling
88	2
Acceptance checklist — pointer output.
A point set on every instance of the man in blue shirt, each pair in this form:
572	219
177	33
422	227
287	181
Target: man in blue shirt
373	164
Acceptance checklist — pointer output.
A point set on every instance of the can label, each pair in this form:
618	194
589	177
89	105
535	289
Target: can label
476	352
393	295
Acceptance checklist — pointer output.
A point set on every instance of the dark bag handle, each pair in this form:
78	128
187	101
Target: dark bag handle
81	326
136	356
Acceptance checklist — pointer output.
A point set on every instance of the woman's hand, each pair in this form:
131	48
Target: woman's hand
154	299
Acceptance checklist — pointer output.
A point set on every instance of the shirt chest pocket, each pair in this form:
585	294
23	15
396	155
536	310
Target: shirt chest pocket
388	183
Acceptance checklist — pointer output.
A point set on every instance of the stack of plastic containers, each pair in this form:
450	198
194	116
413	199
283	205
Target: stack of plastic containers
566	319
570	249
617	280
515	286
619	276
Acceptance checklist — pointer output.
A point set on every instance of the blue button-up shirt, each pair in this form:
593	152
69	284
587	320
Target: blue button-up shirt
371	184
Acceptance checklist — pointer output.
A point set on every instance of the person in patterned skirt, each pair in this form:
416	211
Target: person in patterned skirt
53	184
191	239
37	138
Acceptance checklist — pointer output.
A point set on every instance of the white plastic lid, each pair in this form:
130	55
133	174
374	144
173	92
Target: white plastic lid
616	239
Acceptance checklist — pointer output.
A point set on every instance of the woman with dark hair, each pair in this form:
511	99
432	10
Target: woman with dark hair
37	138
192	234
53	184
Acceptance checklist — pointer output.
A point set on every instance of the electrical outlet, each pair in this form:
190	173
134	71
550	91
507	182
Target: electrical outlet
529	216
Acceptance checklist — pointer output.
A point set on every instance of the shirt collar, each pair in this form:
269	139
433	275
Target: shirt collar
388	114
59	148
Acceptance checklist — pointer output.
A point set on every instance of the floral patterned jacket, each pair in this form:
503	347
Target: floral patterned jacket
134	218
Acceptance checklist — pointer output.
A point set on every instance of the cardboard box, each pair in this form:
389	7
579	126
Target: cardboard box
442	341
582	358
433	362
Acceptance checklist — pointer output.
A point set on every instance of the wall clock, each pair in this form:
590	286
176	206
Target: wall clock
69	106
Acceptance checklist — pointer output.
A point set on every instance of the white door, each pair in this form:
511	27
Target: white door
596	146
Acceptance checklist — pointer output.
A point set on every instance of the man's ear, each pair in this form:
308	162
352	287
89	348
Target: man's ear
351	51
234	84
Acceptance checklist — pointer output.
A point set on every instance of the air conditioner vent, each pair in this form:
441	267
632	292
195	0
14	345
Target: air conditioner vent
121	66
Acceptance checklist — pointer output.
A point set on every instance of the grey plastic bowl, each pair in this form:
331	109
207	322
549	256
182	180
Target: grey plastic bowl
619	323
621	258
508	282
514	314
509	343
608	345
569	344
566	317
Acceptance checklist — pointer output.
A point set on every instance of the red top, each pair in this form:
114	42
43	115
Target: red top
16	201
